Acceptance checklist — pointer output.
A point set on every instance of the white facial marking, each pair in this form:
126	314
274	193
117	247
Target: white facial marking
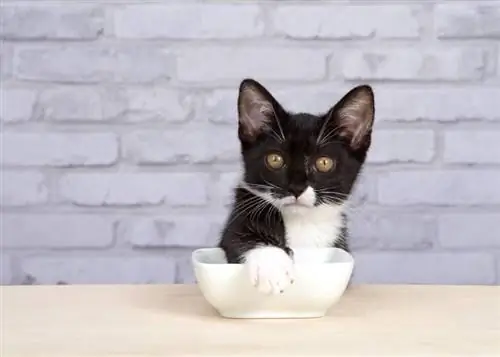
270	269
306	225
308	197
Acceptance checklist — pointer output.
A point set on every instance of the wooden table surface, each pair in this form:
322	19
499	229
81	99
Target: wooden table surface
174	320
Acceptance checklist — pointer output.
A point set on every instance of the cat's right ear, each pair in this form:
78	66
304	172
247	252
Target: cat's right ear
256	110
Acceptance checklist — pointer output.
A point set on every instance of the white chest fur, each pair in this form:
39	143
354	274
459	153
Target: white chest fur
312	227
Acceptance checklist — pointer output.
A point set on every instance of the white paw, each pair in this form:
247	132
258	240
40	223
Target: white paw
270	268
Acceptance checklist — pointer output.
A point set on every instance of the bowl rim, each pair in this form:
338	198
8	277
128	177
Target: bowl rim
349	258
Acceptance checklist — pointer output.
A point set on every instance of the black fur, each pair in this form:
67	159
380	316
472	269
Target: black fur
346	132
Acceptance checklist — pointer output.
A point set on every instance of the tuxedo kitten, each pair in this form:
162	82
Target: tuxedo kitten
299	170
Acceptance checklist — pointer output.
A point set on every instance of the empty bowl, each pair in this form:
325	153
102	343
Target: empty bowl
321	276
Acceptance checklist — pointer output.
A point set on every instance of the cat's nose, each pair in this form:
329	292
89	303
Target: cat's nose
296	189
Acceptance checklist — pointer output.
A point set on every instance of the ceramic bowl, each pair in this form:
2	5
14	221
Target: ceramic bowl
321	277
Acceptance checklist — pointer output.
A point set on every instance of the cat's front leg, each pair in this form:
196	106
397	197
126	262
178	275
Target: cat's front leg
270	268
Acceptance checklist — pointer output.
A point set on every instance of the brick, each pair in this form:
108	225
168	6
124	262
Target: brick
56	231
94	63
17	105
414	64
390	146
81	103
223	192
467	20
445	187
220	107
185	272
100	270
346	22
188	21
472	147
98	104
23	189
230	64
363	190
472	230
6	272
69	22
437	104
6	63
169	231
157	104
391	231
424	268
134	189
59	149
155	147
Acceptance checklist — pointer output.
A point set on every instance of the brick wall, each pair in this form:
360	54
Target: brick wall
119	141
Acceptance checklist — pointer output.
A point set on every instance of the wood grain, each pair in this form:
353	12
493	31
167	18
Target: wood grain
174	320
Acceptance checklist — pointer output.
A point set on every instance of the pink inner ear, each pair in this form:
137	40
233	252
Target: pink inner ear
255	112
356	119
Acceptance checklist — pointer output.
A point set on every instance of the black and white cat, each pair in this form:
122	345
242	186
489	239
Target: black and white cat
299	170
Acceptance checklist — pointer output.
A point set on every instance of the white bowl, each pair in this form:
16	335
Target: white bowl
321	277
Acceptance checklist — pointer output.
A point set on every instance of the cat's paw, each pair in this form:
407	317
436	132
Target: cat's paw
270	269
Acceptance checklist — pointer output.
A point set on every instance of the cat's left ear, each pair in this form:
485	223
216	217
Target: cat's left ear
353	116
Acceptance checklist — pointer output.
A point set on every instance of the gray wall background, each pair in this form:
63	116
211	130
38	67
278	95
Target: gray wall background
119	146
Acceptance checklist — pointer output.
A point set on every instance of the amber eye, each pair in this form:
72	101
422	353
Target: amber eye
274	161
324	164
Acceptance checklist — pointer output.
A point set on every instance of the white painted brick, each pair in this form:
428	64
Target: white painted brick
402	146
100	270
134	189
224	187
232	64
81	103
6	271
68	22
17	104
424	268
364	189
445	187
472	147
22	189
220	107
130	104
185	272
472	230
188	21
59	149
391	231
414	64
346	22
171	231
94	63
437	104
56	231
6	60
467	20
176	146
157	104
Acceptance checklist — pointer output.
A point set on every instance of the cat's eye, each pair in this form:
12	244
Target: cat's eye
274	161
324	164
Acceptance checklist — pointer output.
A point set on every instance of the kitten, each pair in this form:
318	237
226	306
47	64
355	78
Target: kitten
299	170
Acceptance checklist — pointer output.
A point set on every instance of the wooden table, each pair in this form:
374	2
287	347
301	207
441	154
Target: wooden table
76	321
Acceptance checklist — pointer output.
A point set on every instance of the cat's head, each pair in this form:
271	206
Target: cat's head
300	160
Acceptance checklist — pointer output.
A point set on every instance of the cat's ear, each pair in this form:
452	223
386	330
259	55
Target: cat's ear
353	116
256	109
